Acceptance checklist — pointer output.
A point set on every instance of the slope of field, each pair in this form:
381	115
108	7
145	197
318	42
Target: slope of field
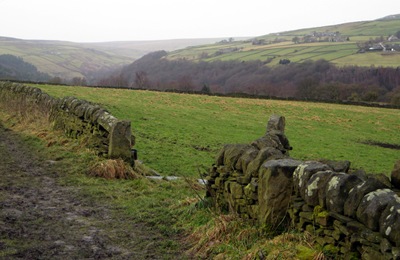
177	133
69	59
62	59
281	46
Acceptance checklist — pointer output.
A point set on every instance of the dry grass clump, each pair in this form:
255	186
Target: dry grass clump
113	169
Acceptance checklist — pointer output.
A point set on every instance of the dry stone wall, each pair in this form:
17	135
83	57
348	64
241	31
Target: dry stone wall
77	118
351	213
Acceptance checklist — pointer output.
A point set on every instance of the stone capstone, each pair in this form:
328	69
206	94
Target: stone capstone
304	172
268	153
315	189
337	190
389	223
358	192
371	207
120	141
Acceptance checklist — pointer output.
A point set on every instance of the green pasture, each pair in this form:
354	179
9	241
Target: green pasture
177	133
376	59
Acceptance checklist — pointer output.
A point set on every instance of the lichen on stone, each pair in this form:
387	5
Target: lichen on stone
312	187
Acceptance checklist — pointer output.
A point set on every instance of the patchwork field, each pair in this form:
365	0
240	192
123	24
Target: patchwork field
281	46
178	133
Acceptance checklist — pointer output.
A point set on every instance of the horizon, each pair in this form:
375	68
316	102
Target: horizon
154	20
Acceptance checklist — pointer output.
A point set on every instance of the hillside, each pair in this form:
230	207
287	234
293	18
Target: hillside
12	68
339	44
69	59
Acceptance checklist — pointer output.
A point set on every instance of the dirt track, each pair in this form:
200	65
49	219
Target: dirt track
41	219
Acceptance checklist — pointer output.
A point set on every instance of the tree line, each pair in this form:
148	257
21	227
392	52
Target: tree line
310	80
15	68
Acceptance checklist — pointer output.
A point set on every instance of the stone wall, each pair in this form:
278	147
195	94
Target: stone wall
77	118
350	212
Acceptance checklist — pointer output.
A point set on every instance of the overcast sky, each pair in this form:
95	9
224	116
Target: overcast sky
127	20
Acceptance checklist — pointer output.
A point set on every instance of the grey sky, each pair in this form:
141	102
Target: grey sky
122	20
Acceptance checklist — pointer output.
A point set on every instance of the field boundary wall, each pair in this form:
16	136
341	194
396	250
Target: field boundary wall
351	213
78	118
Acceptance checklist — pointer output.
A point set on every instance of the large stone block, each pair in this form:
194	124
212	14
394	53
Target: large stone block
315	189
268	153
120	141
303	174
230	154
107	121
249	155
275	186
358	192
276	123
389	223
337	190
371	207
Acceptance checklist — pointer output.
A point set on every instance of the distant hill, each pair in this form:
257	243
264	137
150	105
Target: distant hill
12	68
390	17
342	44
70	59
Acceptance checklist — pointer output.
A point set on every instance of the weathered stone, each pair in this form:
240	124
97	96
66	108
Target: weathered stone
275	188
373	237
266	141
372	206
309	216
303	173
276	129
381	178
243	179
219	182
324	220
357	193
230	154
276	123
337	166
268	153
396	253
249	155
315	189
389	223
369	253
341	228
385	245
120	141
338	189
360	173
395	175
236	190
310	229
341	218
107	121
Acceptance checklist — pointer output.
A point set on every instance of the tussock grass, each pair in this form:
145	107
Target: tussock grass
113	169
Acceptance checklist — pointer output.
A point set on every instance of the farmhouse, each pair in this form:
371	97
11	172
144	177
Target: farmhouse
393	38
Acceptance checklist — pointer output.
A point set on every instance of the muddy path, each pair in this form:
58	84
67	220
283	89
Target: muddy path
42	219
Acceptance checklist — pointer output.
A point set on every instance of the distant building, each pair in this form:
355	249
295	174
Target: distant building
393	38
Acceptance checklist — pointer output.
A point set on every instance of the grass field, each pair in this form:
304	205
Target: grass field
177	133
